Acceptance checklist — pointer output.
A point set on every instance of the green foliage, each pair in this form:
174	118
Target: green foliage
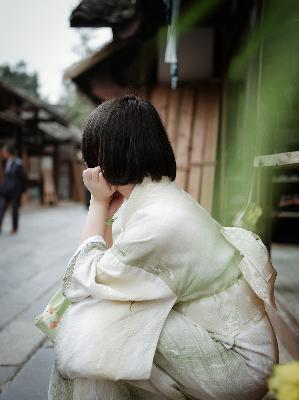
18	76
196	13
84	48
192	15
76	107
263	84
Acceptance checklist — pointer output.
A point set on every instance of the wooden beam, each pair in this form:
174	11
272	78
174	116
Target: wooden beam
198	144
287	159
184	136
173	116
210	149
159	98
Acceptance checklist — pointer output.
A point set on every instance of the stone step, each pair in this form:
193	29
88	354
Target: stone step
32	382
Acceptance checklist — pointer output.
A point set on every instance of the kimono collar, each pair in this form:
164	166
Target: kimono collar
138	193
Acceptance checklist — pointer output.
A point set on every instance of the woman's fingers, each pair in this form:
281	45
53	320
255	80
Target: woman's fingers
95	182
91	174
86	175
109	188
95	174
102	180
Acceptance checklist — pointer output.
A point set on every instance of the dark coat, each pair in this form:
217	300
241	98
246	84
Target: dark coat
14	183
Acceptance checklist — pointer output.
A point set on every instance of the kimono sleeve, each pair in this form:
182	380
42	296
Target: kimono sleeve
118	310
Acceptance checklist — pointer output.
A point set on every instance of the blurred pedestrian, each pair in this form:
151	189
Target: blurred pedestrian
13	185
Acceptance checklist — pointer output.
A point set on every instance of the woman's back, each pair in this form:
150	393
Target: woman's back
190	242
191	254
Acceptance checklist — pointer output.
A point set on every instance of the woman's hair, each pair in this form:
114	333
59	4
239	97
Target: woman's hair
126	138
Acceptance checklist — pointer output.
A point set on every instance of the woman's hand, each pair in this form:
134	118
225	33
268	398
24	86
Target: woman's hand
97	185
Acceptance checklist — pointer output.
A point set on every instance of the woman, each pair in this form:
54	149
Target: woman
172	305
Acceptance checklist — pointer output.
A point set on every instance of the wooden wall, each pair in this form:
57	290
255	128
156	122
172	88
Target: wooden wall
190	115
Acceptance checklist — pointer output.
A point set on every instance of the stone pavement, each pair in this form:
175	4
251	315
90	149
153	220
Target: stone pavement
31	266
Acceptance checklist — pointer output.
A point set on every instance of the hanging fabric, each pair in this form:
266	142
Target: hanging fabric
173	7
249	216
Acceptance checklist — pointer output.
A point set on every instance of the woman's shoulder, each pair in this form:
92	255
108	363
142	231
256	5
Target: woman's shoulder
161	209
161	213
170	219
182	210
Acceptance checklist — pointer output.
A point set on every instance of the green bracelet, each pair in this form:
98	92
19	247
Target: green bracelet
109	221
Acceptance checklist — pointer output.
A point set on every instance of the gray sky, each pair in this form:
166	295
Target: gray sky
38	32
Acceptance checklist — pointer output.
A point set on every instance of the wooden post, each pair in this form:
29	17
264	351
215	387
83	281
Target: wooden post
266	163
184	136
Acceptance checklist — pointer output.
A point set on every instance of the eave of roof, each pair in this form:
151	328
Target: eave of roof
10	118
97	57
60	132
37	103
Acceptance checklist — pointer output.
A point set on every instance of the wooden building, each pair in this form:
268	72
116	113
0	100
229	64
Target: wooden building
233	109
210	116
45	141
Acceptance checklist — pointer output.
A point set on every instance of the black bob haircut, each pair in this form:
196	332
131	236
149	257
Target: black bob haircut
126	138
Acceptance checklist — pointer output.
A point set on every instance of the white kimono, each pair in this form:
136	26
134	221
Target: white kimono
173	310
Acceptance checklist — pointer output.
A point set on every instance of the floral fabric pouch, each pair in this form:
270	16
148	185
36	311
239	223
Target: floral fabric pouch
48	320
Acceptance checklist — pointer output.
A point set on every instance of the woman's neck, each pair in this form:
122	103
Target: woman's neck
125	190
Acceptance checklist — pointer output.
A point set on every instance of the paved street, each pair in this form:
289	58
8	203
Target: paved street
31	265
